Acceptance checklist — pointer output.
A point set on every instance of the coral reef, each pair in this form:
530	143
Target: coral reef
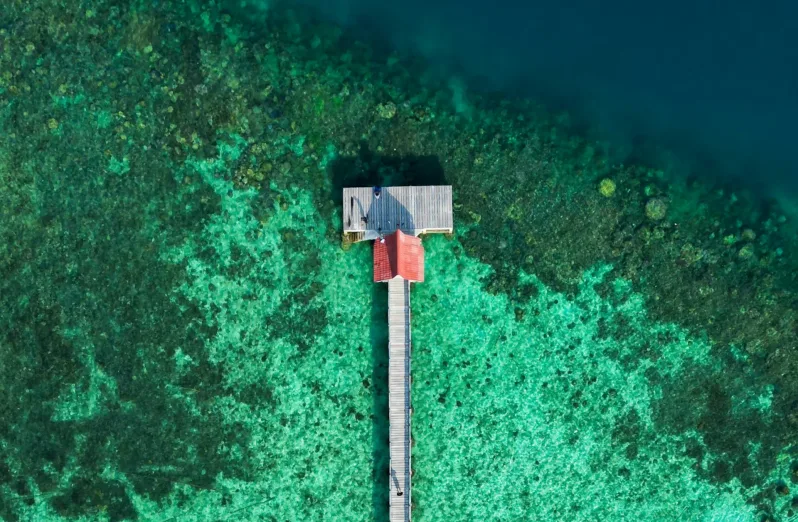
607	188
182	335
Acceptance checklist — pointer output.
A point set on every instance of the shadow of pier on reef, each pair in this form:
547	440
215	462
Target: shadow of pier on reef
368	169
380	447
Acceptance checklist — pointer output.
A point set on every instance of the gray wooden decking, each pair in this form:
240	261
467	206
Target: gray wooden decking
399	397
414	210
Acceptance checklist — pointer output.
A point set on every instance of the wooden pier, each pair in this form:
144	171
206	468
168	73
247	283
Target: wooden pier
394	216
399	396
413	210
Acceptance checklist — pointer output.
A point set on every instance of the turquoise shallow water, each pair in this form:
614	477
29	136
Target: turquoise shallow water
183	337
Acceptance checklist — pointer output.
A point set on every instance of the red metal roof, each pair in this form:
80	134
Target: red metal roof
399	255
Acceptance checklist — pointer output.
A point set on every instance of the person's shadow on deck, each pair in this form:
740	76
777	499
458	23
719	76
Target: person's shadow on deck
369	170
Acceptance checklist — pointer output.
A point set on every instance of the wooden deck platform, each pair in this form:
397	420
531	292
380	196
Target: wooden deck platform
413	210
399	397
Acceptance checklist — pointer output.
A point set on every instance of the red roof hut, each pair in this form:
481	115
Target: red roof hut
398	254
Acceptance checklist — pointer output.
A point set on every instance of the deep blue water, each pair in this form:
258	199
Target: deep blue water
715	81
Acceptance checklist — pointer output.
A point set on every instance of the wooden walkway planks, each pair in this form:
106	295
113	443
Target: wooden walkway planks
399	397
414	210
